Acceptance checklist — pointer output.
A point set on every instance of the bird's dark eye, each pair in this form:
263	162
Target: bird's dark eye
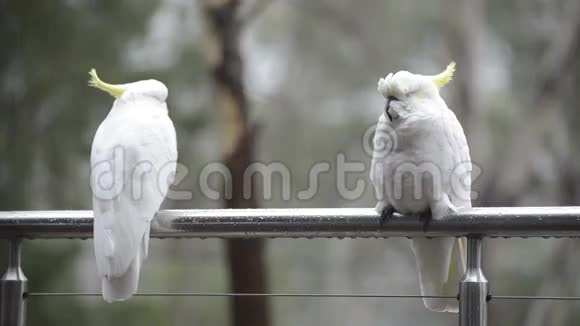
392	98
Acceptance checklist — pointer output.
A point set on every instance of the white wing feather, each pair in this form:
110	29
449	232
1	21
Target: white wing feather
137	143
440	262
381	142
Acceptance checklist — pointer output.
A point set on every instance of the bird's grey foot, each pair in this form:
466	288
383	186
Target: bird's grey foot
426	219
386	213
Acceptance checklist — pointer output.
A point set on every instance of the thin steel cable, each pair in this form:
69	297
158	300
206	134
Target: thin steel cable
526	297
213	294
297	295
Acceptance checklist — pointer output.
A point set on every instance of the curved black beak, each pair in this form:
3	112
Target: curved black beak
387	111
389	99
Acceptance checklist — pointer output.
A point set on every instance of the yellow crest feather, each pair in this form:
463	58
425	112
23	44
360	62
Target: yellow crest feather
115	90
445	77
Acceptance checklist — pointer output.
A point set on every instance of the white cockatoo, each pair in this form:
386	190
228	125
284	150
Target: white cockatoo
421	164
133	162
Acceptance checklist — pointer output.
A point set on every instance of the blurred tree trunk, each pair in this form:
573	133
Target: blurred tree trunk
245	257
465	20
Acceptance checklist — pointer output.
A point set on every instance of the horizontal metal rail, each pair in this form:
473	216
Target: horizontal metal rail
309	223
474	224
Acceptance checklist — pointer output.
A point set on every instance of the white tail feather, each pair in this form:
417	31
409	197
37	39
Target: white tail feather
123	287
440	265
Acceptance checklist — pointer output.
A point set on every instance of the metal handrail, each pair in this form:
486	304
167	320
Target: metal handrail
308	222
474	223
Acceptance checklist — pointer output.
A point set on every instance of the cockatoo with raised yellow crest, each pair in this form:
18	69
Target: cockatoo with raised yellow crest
133	162
421	164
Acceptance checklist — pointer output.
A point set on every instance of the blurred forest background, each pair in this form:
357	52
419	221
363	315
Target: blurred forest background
310	73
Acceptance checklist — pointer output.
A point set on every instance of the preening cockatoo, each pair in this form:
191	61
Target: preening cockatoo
133	162
421	164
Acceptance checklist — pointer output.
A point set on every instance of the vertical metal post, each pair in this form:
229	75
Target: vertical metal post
473	288
13	287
